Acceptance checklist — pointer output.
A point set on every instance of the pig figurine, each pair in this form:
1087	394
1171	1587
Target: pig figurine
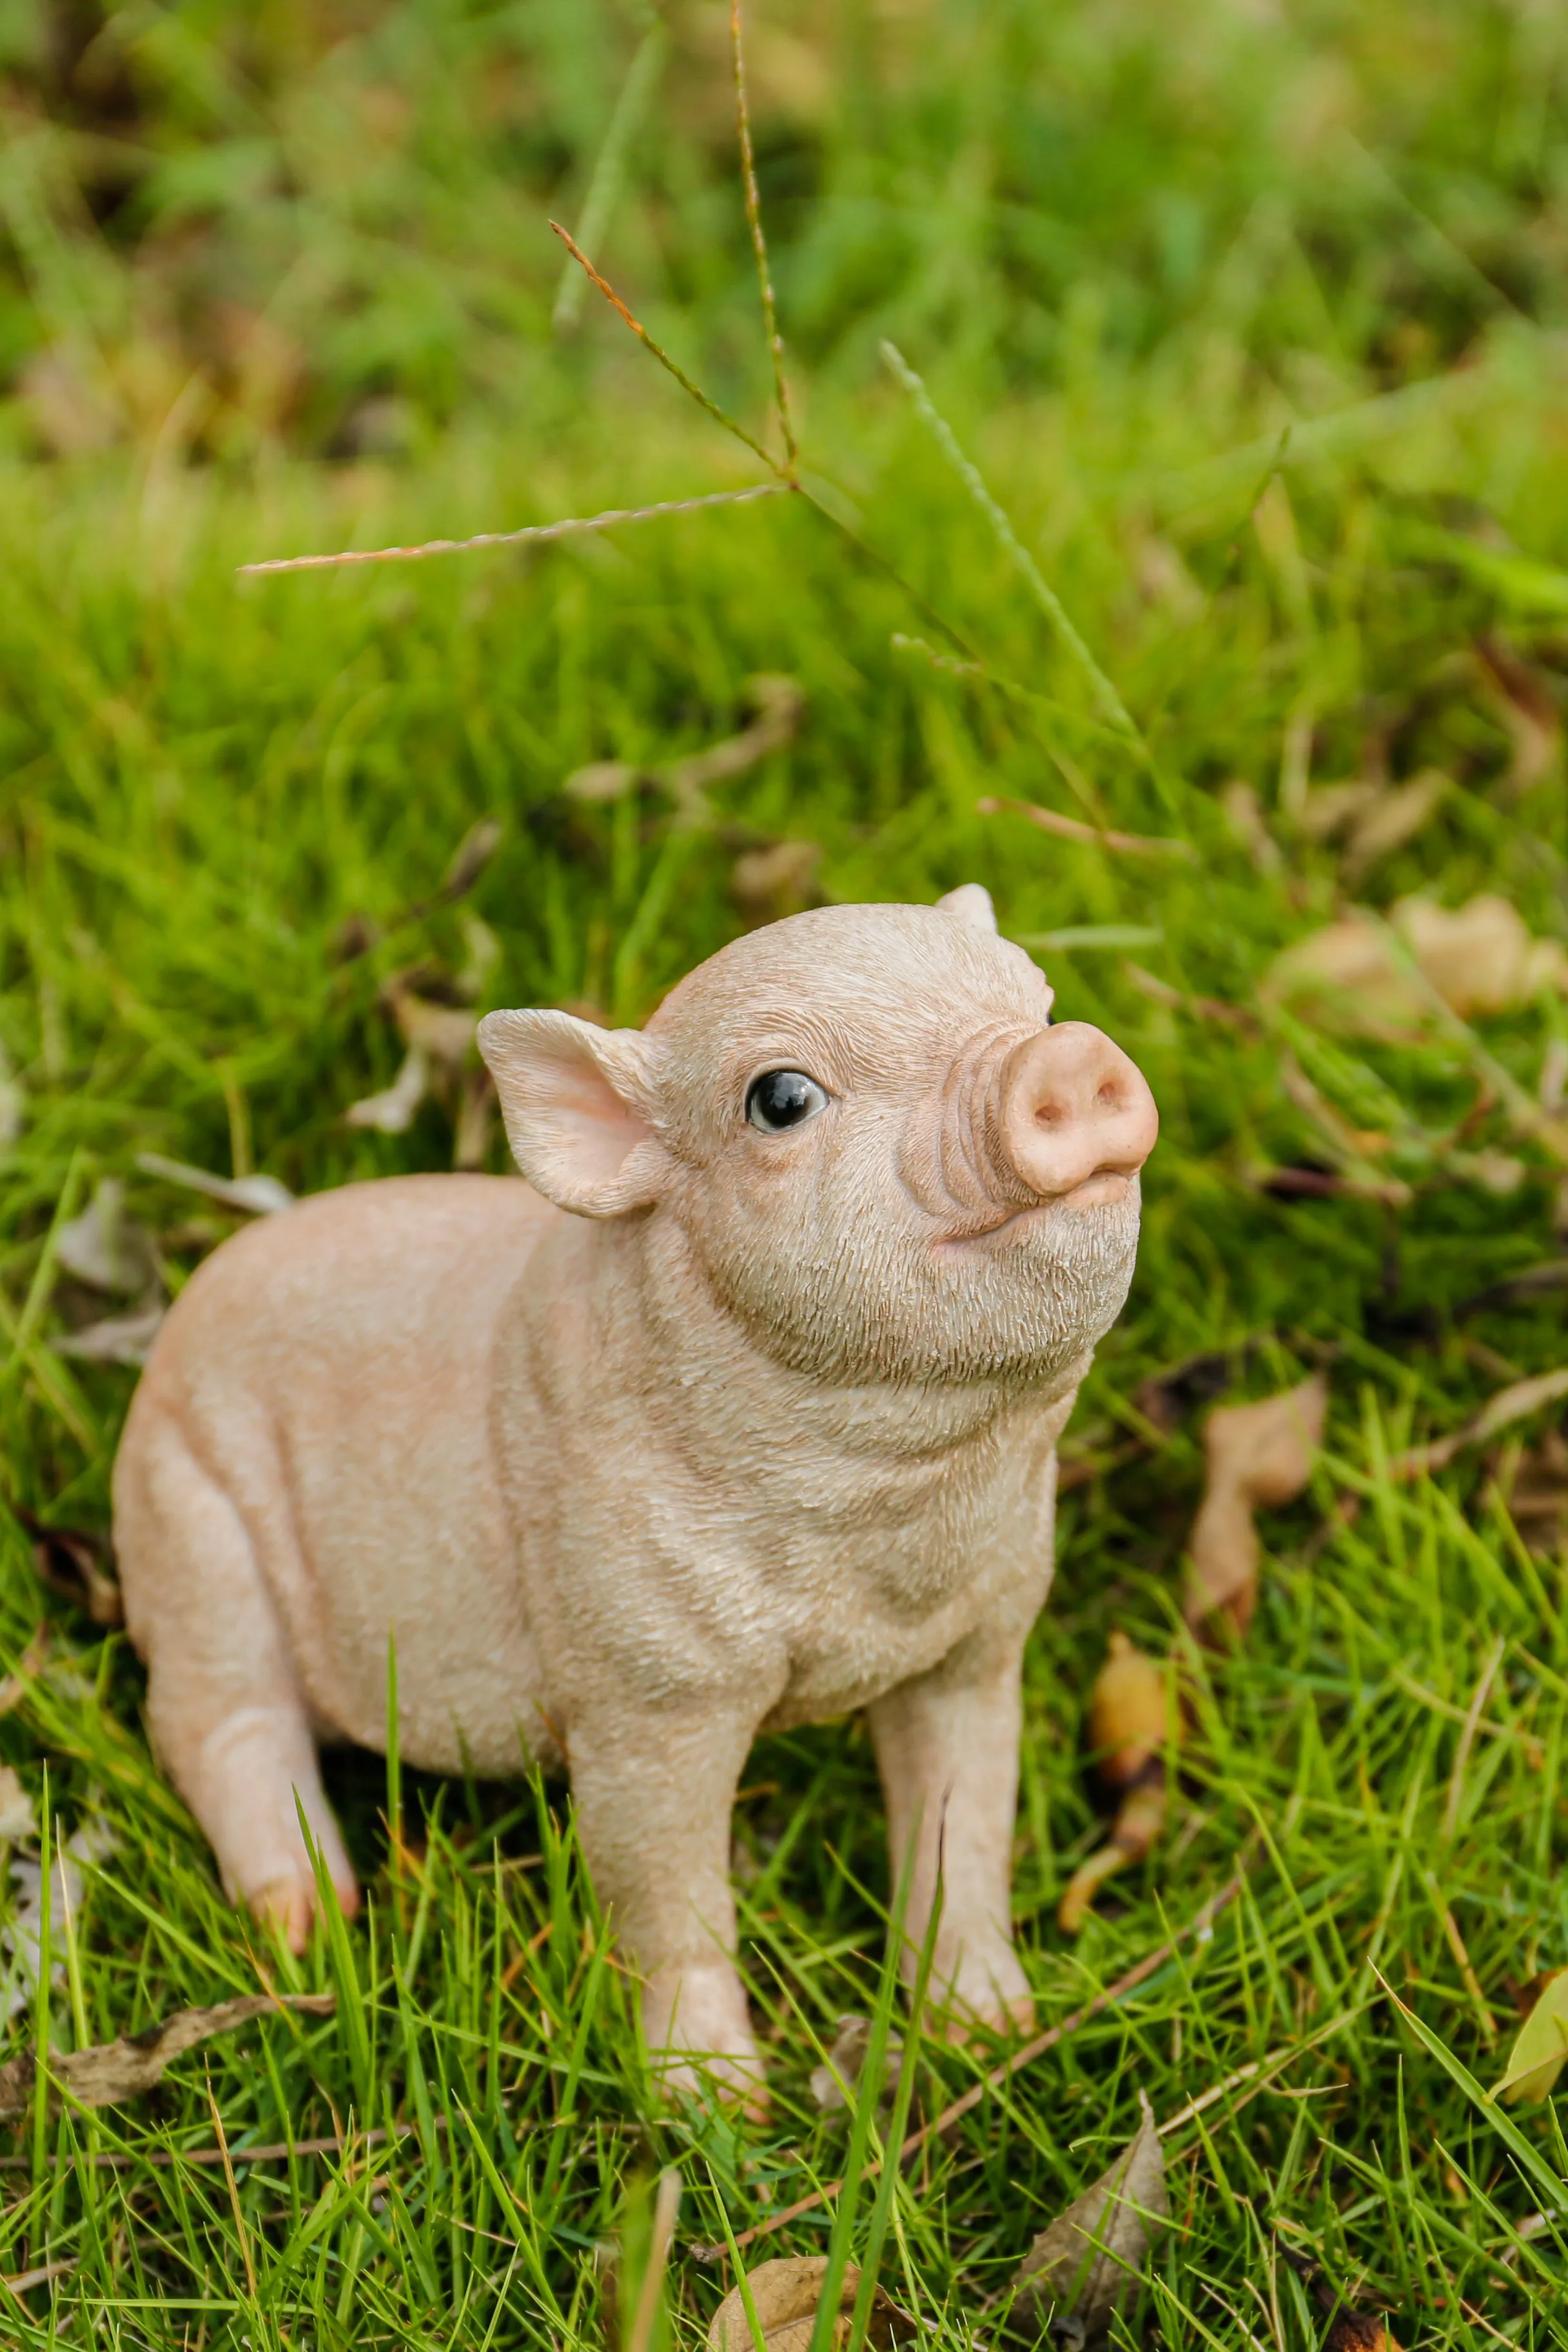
741	1412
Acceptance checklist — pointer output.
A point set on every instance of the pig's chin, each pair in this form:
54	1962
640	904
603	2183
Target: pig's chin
902	1305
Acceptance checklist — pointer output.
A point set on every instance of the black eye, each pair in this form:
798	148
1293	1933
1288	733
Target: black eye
781	1098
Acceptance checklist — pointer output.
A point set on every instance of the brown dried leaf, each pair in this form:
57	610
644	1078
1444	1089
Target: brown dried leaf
1480	959
1130	1716
1528	709
1394	817
785	2295
1087	2262
1259	1454
71	1561
108	2072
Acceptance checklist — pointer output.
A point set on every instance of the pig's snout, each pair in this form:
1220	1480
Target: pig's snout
1069	1106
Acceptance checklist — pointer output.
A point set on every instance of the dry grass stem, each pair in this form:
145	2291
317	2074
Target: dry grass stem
1093	836
997	2079
695	391
534	532
759	242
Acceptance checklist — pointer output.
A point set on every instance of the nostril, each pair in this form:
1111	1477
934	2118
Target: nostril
1110	1096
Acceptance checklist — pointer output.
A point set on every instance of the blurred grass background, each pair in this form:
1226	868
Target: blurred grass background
1253	320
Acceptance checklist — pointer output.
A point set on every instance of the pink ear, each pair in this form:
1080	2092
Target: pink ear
580	1105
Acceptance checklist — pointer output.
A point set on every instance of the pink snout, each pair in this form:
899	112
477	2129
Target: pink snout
1071	1106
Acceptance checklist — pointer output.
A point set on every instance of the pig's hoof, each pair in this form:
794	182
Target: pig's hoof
289	1904
700	2039
987	1996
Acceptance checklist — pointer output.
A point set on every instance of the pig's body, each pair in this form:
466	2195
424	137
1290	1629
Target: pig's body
630	1485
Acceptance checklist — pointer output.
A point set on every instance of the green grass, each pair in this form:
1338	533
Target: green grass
1123	282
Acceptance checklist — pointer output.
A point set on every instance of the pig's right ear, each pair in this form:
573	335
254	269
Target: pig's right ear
580	1105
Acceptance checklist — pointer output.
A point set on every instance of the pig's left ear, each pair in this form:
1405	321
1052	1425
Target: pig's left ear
971	904
580	1105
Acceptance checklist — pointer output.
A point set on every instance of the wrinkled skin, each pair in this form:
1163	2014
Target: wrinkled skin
705	1429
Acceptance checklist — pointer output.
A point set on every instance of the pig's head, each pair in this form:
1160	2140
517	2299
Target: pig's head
863	1129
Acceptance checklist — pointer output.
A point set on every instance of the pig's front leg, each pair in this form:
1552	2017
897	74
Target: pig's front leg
654	1796
947	1747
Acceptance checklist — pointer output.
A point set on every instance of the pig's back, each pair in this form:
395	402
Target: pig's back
331	1368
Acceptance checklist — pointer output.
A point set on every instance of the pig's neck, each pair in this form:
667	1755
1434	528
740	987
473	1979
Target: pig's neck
732	1397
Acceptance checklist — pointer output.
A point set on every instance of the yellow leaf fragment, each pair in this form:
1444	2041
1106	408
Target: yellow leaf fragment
1128	1712
1540	2052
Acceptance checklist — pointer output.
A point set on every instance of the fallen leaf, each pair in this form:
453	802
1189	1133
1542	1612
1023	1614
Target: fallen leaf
116	1339
1540	2050
1087	2263
258	1196
1394	817
1129	1713
785	2295
1328	809
107	1249
845	2062
1130	1722
1528	709
110	2071
1348	2330
602	781
15	1807
71	1560
1259	1454
22	1934
1537	1498
1480	959
392	1112
443	1031
780	880
1515	1403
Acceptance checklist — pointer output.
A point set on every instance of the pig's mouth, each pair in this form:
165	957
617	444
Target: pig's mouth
1108	1188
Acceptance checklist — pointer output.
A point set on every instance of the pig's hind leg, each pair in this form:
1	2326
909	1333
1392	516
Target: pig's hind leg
223	1705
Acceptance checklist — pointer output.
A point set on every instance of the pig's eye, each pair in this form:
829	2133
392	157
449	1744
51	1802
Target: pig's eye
781	1098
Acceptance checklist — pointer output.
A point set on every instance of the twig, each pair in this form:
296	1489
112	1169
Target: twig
759	242
662	356
1000	2076
572	524
1072	828
1045	596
